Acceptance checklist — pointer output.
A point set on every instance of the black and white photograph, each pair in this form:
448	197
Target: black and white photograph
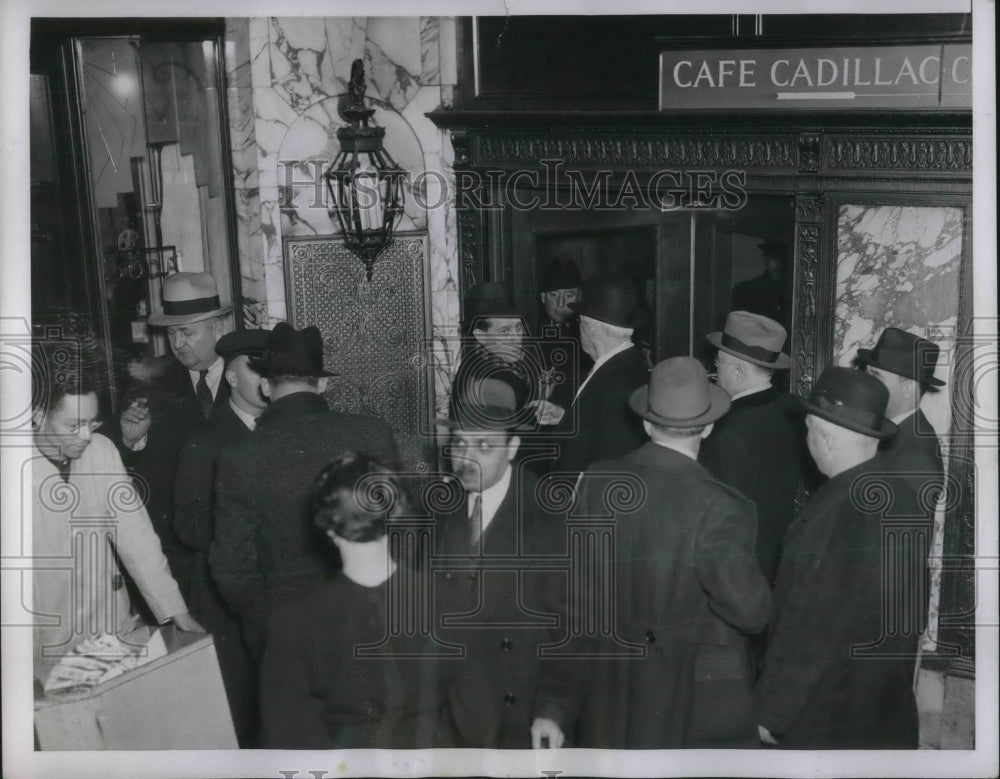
502	388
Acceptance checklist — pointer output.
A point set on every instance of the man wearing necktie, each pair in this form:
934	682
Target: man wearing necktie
169	397
491	607
229	425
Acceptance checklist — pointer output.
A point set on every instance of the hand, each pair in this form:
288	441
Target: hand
547	731
546	412
765	736
187	623
135	422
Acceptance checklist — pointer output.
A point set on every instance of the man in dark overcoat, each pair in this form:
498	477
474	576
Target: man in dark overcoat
905	364
499	614
168	397
598	423
194	519
831	678
687	588
266	551
758	448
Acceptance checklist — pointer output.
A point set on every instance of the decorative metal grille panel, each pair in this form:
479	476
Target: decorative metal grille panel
374	333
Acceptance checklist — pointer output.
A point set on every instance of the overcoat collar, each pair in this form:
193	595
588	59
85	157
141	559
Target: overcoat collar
294	405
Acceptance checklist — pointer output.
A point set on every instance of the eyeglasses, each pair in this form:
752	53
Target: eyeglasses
78	427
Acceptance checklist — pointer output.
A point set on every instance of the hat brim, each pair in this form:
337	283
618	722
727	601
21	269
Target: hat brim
159	319
783	361
719	404
455	424
259	365
887	430
867	356
636	320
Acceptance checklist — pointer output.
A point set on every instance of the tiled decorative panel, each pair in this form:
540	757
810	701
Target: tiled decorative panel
375	333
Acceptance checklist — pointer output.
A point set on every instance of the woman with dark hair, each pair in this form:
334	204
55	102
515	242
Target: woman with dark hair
332	674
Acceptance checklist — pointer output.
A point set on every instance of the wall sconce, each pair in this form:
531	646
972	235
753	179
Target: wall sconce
365	184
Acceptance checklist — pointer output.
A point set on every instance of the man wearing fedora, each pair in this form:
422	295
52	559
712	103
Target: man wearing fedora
905	364
170	397
687	587
266	551
561	287
493	344
598	423
758	447
831	679
488	607
194	521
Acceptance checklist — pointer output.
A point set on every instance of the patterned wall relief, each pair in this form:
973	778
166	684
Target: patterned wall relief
899	266
372	331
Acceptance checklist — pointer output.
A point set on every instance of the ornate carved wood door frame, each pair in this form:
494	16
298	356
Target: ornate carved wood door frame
895	159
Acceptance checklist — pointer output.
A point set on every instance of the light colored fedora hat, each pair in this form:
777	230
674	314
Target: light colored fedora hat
187	298
753	338
679	394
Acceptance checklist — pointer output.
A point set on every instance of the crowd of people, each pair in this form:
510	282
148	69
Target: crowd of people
737	616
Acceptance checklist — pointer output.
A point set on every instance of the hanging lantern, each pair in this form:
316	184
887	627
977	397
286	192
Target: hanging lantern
364	182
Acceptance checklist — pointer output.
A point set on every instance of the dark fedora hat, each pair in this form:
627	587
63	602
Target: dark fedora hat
561	273
188	298
488	404
851	399
679	394
490	298
904	354
291	352
249	342
610	297
753	338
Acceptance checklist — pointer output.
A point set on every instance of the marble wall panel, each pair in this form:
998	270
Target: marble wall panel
899	266
287	114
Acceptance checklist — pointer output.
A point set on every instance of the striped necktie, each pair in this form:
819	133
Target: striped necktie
205	399
476	521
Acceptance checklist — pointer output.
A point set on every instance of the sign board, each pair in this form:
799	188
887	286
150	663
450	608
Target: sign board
854	77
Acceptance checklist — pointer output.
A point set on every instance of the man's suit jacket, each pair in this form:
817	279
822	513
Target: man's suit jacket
833	677
600	424
194	523
497	615
175	414
266	550
687	593
758	448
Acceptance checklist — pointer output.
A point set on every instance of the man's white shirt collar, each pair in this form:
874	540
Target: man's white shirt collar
213	378
492	498
247	419
599	362
752	391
